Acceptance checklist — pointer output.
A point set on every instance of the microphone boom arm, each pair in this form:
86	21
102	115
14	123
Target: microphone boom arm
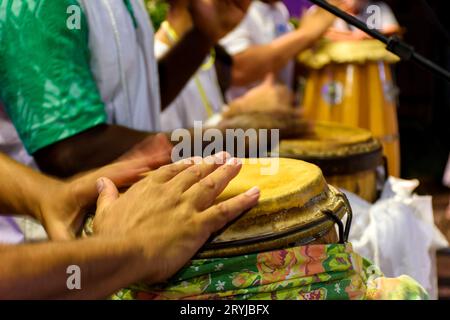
393	44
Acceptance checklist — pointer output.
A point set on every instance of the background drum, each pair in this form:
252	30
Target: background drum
350	82
350	158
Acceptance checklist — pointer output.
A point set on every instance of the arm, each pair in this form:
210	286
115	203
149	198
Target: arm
94	148
39	271
52	97
212	20
179	199
255	62
60	206
22	189
180	63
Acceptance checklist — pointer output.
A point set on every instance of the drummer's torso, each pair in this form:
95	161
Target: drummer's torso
263	24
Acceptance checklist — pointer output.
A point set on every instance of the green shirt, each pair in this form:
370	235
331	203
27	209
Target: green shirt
46	83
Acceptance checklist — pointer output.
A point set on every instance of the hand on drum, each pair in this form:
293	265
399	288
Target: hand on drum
171	213
268	97
63	204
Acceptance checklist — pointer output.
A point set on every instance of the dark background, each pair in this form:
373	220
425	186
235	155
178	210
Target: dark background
424	112
424	109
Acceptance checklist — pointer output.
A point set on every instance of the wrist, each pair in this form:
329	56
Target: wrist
44	197
52	206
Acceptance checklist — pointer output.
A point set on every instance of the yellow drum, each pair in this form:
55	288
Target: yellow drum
351	83
296	207
350	158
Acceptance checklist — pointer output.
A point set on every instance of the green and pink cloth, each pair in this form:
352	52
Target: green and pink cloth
315	272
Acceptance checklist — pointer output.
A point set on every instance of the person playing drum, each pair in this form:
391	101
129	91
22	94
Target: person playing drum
350	80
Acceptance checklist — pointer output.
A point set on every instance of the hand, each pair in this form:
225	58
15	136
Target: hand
156	147
267	97
215	18
172	213
64	204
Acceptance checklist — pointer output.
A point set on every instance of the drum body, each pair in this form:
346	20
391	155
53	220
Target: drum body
351	83
296	207
350	158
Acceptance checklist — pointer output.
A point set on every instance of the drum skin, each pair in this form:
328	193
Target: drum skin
349	157
290	211
356	89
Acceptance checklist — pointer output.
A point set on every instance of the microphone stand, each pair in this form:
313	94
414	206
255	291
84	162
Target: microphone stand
393	44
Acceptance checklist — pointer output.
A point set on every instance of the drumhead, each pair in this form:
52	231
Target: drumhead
290	210
335	148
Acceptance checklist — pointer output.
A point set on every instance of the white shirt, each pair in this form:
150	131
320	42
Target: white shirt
10	142
123	62
11	145
262	25
189	106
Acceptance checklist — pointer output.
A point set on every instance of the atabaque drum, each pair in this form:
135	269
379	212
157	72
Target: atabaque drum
285	248
297	207
351	82
350	158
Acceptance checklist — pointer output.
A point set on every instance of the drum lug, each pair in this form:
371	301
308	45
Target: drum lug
344	232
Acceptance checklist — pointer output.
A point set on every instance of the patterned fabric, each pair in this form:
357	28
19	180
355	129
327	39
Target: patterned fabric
46	83
316	272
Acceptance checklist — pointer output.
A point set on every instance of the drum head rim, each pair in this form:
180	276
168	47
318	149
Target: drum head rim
265	242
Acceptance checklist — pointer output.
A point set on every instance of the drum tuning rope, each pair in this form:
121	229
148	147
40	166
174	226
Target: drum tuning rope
344	231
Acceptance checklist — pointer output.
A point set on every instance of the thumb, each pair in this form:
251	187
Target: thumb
107	191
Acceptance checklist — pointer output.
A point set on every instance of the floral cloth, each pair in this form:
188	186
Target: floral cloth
315	272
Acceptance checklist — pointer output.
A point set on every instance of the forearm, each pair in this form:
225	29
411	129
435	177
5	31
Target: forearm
180	63
93	148
21	188
256	62
39	271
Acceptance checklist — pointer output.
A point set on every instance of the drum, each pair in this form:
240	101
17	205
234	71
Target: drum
296	207
285	248
350	158
351	83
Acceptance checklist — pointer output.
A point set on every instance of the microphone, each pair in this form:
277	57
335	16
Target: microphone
393	43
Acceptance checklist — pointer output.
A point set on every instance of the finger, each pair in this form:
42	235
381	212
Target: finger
218	216
122	174
194	174
125	173
204	193
168	172
108	193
